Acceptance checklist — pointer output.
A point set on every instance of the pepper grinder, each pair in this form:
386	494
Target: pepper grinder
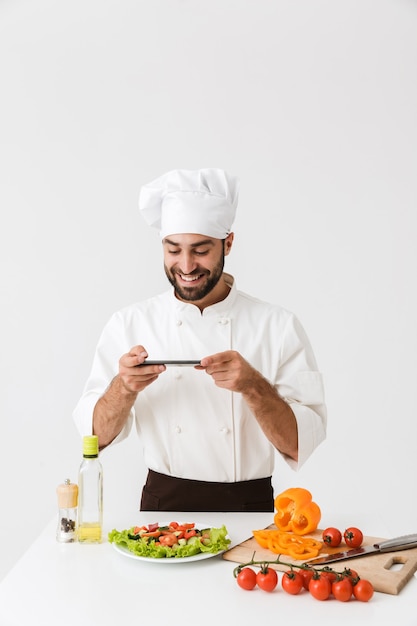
66	531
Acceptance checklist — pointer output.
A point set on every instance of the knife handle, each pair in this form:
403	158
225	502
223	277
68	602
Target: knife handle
398	543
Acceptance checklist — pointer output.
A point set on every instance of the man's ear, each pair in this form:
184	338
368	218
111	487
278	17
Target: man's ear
228	243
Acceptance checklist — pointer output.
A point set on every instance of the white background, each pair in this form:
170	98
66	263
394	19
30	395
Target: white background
312	103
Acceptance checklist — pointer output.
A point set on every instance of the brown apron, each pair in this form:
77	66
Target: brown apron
167	493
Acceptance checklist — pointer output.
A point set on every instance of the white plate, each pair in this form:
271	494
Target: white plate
171	559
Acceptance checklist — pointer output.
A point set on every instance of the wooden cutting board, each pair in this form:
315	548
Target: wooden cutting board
377	568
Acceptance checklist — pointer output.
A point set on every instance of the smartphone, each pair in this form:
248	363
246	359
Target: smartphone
178	363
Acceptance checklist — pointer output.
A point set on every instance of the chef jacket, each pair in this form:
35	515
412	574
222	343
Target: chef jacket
189	427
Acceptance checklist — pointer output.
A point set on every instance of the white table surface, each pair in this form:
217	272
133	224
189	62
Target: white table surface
76	585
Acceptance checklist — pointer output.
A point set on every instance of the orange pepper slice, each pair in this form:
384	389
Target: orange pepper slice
296	511
282	542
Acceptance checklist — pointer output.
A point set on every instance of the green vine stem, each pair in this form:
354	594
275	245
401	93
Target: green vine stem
278	561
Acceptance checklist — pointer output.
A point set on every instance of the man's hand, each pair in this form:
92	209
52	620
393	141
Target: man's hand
133	377
113	408
229	370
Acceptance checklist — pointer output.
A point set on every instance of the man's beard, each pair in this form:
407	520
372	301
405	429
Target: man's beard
193	294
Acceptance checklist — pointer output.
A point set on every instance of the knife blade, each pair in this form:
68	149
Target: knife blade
404	542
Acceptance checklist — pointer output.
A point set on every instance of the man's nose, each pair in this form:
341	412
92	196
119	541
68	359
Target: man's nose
187	263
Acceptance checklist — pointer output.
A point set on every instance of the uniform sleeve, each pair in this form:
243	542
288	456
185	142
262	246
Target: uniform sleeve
112	344
301	384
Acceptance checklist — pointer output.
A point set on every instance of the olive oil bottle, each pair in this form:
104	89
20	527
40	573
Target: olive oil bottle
90	493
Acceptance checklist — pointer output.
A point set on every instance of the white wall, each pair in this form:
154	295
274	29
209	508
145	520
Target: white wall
312	103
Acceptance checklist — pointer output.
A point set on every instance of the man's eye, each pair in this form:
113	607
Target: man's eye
173	251
200	252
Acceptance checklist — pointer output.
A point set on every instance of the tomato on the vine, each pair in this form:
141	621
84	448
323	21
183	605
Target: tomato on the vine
267	578
328	573
353	537
332	537
363	590
352	574
306	574
320	587
246	578
292	582
342	589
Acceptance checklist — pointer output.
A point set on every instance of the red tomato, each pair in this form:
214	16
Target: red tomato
352	574
190	533
246	578
292	582
363	590
328	573
307	575
267	579
320	587
332	537
342	589
353	537
168	540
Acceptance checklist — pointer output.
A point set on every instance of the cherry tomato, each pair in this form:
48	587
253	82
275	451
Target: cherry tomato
342	589
353	537
328	573
246	578
352	574
332	537
320	587
307	575
292	582
267	579
363	590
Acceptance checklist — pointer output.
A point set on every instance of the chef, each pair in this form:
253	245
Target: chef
210	432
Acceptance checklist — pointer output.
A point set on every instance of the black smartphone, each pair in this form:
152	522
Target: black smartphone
168	362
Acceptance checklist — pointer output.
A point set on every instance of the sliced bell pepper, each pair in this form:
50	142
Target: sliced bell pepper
296	511
282	542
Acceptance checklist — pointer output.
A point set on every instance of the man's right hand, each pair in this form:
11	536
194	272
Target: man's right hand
134	378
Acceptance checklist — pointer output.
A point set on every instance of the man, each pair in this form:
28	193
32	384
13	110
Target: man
209	432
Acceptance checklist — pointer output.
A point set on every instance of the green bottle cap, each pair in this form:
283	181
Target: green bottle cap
90	445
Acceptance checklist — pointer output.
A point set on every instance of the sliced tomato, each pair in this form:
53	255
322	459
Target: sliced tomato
168	540
155	534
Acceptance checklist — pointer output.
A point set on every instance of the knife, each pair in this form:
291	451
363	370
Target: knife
390	545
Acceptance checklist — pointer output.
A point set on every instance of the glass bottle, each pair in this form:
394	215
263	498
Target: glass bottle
67	514
90	493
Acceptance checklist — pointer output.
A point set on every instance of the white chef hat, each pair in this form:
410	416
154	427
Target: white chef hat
191	201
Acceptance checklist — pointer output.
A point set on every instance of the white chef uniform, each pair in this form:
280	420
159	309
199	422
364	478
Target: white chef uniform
188	427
